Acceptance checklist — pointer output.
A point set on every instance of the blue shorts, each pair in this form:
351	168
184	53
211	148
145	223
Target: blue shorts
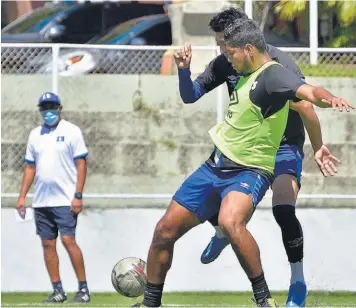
202	192
50	220
289	160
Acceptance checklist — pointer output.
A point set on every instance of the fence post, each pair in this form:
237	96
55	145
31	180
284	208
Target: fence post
55	80
249	8
313	31
219	98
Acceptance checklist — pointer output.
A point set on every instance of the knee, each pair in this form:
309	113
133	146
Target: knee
231	225
68	241
165	233
284	214
49	245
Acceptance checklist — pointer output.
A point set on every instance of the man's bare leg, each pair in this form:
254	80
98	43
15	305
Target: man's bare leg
175	223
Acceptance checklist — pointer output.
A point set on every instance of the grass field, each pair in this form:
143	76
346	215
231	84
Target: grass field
331	70
199	299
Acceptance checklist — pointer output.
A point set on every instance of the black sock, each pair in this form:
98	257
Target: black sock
260	288
214	220
153	295
292	233
82	285
57	286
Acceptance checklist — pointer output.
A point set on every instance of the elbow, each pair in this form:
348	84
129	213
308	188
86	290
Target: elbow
188	100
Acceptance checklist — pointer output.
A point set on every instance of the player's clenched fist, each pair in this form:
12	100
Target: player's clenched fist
183	56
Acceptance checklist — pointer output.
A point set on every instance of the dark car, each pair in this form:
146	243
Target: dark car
77	23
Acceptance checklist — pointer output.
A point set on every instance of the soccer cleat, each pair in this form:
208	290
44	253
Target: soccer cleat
214	249
56	297
82	296
267	302
297	295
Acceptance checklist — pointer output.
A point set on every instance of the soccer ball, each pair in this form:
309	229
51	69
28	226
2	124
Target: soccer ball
128	277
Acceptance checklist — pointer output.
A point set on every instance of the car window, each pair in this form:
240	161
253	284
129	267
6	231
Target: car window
117	31
84	23
160	34
29	23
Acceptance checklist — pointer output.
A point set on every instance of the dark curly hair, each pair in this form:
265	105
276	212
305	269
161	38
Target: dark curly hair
225	18
242	32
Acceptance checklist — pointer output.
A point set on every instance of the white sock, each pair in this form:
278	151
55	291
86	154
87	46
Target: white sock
219	233
297	272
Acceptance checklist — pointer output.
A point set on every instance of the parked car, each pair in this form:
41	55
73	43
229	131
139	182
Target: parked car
27	28
76	23
148	30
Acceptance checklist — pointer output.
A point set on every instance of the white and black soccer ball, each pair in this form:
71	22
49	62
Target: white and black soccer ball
129	278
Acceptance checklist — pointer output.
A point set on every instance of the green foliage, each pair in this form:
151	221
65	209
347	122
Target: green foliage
288	10
346	10
344	36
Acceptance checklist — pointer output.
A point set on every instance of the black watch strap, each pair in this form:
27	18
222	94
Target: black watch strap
78	195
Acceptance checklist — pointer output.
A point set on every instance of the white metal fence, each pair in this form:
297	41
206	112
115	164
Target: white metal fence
77	72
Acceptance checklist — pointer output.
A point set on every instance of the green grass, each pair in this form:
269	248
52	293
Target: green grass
201	299
330	70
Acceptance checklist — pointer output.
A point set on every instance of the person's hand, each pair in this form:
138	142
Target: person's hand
77	205
21	207
338	102
326	161
183	57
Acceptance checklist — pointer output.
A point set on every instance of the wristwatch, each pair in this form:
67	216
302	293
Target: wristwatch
78	195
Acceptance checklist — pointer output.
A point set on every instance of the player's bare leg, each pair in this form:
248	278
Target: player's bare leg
236	210
285	191
77	260
52	265
176	222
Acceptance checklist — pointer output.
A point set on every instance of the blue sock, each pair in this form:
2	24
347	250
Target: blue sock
83	285
57	286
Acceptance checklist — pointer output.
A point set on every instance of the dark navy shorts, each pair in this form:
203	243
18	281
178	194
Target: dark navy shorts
202	192
289	160
50	220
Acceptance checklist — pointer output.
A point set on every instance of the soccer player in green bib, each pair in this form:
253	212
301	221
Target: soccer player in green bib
238	173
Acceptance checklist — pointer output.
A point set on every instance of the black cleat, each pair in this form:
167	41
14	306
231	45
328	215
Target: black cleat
138	305
56	297
82	296
267	302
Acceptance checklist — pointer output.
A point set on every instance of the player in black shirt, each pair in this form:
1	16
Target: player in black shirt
288	165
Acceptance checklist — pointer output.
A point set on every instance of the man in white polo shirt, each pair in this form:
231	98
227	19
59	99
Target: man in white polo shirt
56	161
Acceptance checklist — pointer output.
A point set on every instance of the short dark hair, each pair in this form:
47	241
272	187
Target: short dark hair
243	32
225	18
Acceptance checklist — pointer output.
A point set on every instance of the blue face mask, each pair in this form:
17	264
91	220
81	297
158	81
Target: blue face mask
50	117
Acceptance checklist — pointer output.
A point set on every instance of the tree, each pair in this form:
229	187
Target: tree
344	34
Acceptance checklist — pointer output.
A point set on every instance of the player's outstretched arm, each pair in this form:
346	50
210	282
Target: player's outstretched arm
311	122
322	98
189	91
324	159
211	78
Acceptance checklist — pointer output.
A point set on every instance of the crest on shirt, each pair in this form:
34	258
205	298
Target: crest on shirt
254	85
60	138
